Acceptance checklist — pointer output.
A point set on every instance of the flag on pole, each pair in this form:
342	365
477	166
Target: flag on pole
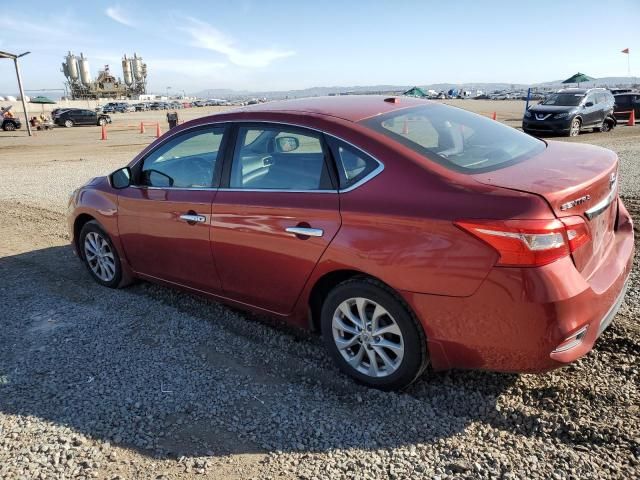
626	50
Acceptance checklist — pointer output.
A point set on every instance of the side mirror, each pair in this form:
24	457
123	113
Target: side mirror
588	104
287	144
121	178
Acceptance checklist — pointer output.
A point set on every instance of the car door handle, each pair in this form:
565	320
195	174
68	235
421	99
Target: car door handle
305	231
193	218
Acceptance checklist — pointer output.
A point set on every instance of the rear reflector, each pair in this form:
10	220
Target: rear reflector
529	243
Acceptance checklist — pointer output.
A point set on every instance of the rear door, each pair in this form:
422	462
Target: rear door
164	220
276	214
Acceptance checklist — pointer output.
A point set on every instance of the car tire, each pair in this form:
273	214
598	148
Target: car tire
68	123
102	122
605	127
391	360
9	127
576	126
99	255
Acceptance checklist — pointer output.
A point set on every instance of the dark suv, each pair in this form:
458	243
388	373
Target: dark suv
78	116
10	124
625	102
570	111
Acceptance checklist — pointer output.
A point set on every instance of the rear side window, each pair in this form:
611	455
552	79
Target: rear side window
279	158
455	138
353	164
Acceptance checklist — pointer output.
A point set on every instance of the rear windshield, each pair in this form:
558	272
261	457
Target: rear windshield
564	99
457	139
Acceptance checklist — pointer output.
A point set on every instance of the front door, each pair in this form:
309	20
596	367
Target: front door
275	217
591	111
164	220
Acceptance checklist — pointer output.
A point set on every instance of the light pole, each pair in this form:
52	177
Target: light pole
168	88
24	103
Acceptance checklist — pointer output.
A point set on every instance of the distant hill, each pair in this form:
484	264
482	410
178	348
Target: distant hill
390	89
229	93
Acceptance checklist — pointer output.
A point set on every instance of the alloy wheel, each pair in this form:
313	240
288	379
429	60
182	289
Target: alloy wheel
99	256
575	128
368	337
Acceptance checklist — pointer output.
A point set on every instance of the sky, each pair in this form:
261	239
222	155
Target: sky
263	45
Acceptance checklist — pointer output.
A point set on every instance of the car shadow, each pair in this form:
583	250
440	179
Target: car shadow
169	374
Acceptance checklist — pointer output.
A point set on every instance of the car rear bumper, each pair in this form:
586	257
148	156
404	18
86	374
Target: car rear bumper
528	319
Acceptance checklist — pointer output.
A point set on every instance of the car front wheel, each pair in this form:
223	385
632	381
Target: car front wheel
372	336
102	122
574	130
68	123
99	255
9	127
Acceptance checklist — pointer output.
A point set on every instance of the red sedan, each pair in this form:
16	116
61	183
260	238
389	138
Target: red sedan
409	233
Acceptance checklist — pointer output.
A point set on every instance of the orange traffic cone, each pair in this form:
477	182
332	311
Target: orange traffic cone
494	116
104	133
141	127
158	132
632	118
405	128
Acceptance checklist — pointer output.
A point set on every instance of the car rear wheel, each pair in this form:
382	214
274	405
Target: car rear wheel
99	255
68	123
605	127
576	124
372	336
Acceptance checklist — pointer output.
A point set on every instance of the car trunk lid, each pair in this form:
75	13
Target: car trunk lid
575	180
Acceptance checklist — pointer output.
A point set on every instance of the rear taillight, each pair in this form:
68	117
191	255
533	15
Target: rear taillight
529	243
577	232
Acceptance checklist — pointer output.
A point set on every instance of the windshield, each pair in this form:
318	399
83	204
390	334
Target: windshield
455	138
564	99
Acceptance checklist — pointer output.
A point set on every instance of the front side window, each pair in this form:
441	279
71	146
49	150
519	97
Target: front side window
275	158
623	100
187	161
456	138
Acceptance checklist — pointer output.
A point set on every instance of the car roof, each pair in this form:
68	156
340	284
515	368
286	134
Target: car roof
347	107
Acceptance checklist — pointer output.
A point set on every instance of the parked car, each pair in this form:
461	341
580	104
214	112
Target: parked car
124	107
141	107
159	106
10	124
110	107
77	116
625	102
570	111
410	233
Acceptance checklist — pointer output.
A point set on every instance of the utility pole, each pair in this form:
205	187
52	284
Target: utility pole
24	103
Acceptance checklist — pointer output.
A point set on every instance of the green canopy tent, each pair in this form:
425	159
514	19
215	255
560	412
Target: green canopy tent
42	101
579	78
416	92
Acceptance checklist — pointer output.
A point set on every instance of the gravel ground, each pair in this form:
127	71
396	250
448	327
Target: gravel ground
148	382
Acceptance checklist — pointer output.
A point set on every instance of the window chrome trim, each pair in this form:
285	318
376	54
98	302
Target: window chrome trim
358	184
275	190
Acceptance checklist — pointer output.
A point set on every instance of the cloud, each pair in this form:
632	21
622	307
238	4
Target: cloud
203	35
116	13
49	27
186	67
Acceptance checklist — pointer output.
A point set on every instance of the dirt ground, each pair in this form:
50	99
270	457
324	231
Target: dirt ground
36	177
